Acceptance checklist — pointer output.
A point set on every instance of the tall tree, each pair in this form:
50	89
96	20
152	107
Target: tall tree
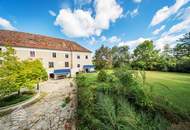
103	58
183	47
182	53
120	56
145	56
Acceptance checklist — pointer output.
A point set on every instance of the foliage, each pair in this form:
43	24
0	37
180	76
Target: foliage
102	58
66	101
183	47
183	64
182	50
35	70
145	56
133	86
15	98
102	76
120	56
17	74
118	103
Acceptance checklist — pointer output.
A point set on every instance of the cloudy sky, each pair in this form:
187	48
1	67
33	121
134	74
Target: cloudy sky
92	23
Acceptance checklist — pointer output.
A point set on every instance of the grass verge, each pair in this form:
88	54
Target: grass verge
14	99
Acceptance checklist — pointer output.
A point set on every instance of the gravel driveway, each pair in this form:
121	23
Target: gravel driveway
46	114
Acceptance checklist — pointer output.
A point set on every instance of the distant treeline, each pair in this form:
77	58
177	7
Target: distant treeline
146	57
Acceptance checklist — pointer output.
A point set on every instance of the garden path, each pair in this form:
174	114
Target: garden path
48	113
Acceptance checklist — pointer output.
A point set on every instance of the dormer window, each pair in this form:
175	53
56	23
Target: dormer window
32	53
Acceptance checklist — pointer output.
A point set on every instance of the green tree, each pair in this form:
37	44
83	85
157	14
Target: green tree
167	61
145	56
183	47
10	72
120	56
182	53
103	58
16	74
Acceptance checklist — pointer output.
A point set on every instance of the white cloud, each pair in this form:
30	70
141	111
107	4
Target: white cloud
184	25
103	38
164	13
114	39
5	24
106	11
134	13
133	43
157	31
137	1
76	24
167	39
52	13
80	23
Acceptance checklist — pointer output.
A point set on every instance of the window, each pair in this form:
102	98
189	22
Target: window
51	64
86	57
78	57
66	56
66	64
54	55
78	65
32	53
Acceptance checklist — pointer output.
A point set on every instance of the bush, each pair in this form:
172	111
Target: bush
102	76
132	86
67	99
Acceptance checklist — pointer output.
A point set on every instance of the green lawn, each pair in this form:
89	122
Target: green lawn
14	99
174	86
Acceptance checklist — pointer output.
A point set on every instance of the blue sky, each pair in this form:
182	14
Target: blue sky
92	23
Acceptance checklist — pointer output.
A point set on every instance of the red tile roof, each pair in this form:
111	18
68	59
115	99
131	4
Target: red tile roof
21	39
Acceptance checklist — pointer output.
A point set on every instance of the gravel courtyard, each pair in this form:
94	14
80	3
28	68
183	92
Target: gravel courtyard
48	113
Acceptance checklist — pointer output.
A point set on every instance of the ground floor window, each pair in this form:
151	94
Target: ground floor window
66	64
78	65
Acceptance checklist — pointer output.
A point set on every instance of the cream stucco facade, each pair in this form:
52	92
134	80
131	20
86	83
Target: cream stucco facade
59	60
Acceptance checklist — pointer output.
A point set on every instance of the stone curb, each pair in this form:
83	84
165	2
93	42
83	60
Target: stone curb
9	109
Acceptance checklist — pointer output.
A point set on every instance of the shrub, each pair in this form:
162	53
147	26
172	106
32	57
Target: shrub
67	99
133	87
102	76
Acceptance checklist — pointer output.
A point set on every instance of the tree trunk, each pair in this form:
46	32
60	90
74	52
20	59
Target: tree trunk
19	93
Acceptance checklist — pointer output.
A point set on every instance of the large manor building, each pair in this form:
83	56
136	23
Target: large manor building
59	57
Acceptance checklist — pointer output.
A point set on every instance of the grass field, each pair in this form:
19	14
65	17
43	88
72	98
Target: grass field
173	86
